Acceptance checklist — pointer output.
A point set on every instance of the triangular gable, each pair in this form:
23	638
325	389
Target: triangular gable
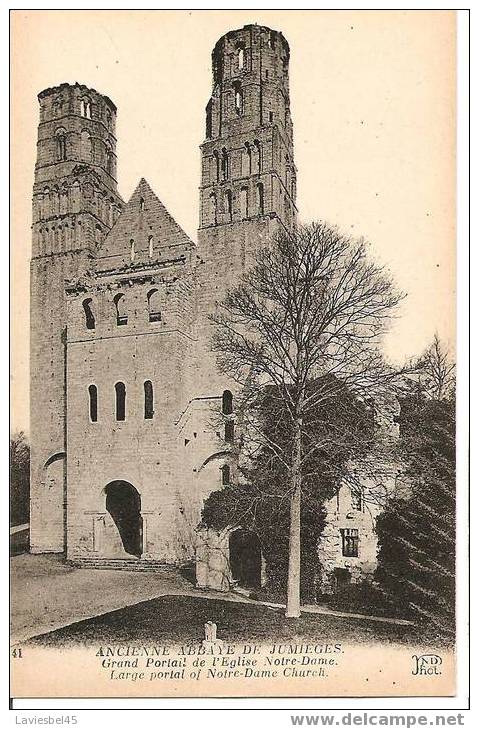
145	221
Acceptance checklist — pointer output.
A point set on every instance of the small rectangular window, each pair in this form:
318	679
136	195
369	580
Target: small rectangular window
350	539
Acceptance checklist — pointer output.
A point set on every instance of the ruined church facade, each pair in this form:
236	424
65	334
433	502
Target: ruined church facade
124	385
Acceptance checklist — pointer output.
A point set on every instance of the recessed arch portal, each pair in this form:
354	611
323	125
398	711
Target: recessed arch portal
123	503
245	558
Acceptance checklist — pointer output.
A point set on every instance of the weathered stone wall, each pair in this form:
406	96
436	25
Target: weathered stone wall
143	452
75	203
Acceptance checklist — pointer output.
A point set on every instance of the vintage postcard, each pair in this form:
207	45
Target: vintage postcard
233	407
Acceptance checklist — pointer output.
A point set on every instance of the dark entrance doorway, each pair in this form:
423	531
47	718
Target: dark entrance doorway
245	558
123	502
342	579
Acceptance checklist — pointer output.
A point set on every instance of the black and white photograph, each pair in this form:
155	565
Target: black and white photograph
233	398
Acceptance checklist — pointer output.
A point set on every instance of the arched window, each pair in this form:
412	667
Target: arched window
63	199
148	387
217	165
61	139
132	249
120	400
85	108
89	316
93	403
154	307
259	155
109	159
229	204
45	203
260	195
142	204
227	402
244	203
57	107
120	305
85	145
213	209
241	57
150	246
209	120
229	431
225	475
75	196
247	159
224	164
239	98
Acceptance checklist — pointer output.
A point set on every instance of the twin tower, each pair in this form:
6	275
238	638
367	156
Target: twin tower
97	464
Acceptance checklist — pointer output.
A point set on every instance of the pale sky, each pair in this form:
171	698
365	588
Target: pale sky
373	107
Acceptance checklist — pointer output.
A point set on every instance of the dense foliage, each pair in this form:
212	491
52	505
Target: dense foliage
19	479
416	564
338	430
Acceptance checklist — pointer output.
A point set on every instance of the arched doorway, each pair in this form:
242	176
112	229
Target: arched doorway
123	503
245	558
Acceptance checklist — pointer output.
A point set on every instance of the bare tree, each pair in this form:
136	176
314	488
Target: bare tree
312	307
436	371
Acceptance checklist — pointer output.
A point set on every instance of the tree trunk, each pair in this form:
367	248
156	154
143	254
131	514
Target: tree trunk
294	565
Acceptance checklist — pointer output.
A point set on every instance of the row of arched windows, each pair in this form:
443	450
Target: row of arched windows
251	161
151	248
68	199
121	310
245	208
104	153
120	401
85	107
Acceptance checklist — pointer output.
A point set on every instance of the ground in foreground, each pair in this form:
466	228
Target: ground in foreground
180	620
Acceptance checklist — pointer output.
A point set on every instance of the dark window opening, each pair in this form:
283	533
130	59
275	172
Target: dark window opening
227	403
154	309
217	164
350	539
89	316
121	315
142	204
209	121
229	204
260	190
225	475
120	400
213	209
61	147
244	203
224	164
93	403
229	432
148	387
271	116
259	155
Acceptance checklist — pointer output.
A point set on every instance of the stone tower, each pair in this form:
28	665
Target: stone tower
75	203
248	176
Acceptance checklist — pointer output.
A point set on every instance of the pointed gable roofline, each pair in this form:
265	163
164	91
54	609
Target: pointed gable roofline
145	221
